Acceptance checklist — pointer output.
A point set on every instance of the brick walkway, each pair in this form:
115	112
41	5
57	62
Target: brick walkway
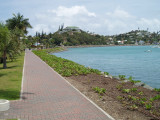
47	96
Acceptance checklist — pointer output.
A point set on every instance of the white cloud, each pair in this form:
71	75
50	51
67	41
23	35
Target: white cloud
152	24
72	11
119	14
113	22
120	21
148	22
49	20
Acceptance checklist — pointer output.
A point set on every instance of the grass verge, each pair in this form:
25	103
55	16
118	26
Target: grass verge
11	78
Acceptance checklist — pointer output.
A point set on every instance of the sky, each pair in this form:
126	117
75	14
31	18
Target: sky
104	17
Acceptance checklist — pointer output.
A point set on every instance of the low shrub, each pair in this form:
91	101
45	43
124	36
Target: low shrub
133	89
148	106
100	91
119	87
122	77
63	66
126	90
157	97
157	89
106	73
140	93
133	81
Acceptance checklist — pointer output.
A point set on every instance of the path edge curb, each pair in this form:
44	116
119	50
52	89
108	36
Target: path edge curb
22	78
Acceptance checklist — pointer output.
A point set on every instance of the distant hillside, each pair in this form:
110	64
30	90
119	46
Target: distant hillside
78	38
73	36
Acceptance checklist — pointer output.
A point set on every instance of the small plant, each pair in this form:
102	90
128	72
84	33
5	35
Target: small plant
130	78
133	81
106	73
123	83
114	76
134	98
103	90
144	99
119	87
140	93
100	91
126	90
122	77
133	107
133	89
151	99
157	89
148	106
157	97
129	96
100	96
120	98
155	112
142	102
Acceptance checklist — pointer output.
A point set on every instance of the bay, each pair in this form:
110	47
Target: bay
141	62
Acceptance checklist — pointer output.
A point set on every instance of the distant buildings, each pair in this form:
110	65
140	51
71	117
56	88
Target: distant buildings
141	42
71	30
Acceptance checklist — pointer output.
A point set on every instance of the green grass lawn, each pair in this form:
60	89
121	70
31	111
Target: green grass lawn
10	79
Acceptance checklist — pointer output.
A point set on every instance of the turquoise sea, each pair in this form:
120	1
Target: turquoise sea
141	62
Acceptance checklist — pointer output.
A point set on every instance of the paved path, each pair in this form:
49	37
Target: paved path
47	96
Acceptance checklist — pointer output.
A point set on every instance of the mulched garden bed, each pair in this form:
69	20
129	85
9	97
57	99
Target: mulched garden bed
122	100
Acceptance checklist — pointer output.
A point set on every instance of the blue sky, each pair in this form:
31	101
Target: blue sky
106	17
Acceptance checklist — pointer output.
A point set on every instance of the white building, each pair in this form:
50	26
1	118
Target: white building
71	29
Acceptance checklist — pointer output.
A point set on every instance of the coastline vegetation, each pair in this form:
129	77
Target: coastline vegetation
63	66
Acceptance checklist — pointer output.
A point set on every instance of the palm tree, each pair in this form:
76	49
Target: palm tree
18	21
4	42
9	43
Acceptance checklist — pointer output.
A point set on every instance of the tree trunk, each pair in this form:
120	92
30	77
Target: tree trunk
1	60
4	60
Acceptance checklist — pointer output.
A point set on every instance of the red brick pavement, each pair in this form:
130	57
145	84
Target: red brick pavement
47	96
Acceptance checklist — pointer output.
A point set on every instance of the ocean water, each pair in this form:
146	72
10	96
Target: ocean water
141	62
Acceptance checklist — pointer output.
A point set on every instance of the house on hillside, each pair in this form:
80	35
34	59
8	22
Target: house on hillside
71	30
141	42
38	46
120	42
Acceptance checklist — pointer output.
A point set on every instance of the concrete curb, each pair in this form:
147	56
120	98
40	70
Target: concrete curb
22	78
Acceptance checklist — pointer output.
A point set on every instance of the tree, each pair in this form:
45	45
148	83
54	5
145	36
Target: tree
4	42
18	21
9	43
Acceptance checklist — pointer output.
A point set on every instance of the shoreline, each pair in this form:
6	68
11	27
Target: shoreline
86	46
